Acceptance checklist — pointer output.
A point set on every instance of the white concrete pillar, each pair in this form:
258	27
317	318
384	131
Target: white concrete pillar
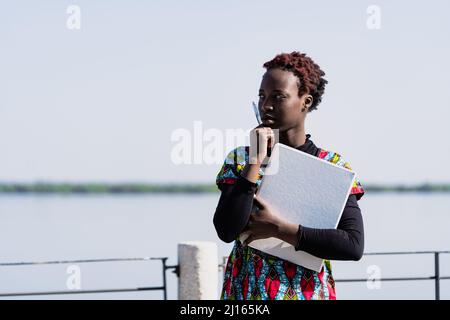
199	271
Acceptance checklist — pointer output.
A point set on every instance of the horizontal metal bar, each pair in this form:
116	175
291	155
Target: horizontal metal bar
385	279
42	293
392	279
10	264
172	267
405	252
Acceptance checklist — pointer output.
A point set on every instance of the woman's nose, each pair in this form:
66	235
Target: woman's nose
267	107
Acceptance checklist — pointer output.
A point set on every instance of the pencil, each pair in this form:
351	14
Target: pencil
256	110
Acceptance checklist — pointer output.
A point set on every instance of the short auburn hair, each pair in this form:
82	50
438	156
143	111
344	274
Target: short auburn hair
310	75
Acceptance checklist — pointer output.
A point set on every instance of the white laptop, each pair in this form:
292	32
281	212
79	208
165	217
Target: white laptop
306	190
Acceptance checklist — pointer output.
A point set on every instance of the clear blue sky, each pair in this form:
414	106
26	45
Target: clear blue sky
100	103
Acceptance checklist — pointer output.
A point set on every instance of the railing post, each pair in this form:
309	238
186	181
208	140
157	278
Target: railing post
164	277
436	276
198	270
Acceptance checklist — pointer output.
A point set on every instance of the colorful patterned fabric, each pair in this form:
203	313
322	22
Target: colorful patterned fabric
251	274
336	158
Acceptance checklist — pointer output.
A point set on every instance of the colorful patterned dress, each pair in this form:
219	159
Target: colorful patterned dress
251	274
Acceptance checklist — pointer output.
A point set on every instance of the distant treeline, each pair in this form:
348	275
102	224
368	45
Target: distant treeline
88	188
105	188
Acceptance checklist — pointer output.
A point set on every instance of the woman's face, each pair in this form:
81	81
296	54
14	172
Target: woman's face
279	103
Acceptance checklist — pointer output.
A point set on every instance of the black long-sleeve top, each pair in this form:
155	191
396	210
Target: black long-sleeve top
344	243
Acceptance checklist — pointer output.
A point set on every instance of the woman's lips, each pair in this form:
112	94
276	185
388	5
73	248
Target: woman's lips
268	120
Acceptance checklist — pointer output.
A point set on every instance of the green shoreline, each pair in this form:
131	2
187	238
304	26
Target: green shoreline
119	188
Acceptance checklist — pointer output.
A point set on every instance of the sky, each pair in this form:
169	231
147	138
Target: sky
102	103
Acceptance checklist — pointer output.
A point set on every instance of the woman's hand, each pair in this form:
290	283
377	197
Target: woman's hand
265	223
261	138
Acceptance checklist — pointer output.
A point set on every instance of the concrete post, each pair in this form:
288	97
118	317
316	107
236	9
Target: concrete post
199	271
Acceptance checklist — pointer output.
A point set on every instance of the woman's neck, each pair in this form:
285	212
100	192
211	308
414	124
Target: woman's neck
294	137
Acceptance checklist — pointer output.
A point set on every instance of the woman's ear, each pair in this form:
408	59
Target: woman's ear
308	101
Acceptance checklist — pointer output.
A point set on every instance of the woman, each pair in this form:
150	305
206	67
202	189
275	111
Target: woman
292	87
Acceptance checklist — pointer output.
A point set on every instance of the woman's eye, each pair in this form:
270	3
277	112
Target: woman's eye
261	96
279	96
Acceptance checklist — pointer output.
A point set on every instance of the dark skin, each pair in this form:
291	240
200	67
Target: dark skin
281	108
279	96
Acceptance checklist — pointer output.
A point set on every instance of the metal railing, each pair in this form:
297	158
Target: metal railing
163	287
436	277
